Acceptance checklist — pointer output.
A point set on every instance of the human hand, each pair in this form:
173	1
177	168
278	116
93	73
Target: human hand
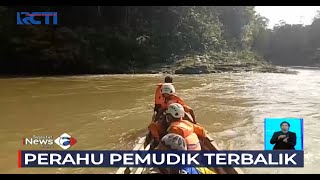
281	136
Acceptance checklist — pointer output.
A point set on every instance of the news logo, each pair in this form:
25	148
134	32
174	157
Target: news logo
36	18
43	141
65	141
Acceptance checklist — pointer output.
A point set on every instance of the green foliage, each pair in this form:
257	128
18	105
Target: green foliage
290	44
114	39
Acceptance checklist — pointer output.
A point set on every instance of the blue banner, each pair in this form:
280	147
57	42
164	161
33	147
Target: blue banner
177	159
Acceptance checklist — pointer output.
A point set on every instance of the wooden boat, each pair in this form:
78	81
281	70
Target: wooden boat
208	144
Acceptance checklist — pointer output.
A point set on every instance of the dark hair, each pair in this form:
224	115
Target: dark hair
285	122
168	79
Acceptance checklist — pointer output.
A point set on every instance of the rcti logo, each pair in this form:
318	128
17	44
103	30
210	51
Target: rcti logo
65	141
36	18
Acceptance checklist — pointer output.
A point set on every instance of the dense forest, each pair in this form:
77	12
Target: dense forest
119	39
288	44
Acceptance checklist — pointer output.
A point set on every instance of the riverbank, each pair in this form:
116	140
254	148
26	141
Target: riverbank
191	64
179	68
205	65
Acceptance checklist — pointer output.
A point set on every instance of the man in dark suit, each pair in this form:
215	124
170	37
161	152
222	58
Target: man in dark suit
284	139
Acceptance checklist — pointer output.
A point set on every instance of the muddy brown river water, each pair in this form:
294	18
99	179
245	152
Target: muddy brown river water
112	111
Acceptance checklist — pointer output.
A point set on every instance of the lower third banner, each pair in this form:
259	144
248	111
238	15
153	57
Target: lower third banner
160	158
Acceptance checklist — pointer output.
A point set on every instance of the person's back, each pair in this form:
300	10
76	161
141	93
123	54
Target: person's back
189	131
175	99
168	92
158	97
157	128
175	142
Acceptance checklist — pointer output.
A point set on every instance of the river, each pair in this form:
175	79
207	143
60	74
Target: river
112	111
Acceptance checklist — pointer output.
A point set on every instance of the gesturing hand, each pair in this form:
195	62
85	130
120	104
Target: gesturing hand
281	136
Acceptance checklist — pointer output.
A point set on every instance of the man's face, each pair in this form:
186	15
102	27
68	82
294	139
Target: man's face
284	127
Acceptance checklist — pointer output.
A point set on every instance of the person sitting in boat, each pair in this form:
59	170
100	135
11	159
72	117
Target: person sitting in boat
176	142
191	132
158	97
157	128
156	131
168	91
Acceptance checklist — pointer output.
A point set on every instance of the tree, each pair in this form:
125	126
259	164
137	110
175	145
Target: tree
317	16
115	39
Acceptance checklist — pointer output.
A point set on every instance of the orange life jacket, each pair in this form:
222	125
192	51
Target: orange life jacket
158	98
186	129
175	99
157	130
